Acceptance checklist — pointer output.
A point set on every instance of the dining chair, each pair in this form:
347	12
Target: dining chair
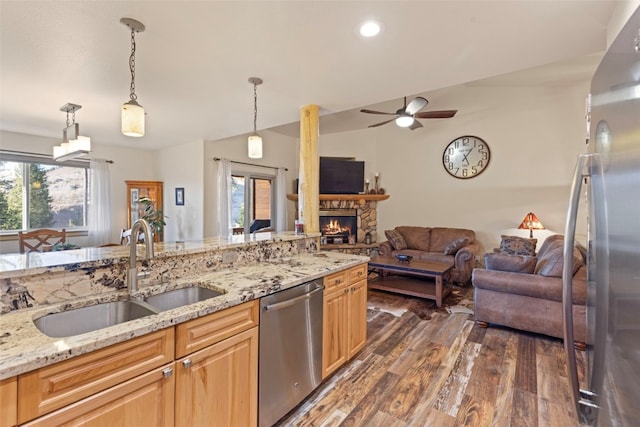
37	240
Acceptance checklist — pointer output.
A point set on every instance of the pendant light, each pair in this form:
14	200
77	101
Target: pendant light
132	112
73	145
255	141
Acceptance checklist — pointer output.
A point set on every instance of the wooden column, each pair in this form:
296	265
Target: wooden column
309	185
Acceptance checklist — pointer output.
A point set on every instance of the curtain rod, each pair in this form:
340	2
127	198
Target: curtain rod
217	159
43	156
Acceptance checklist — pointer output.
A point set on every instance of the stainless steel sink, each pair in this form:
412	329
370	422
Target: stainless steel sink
181	297
91	318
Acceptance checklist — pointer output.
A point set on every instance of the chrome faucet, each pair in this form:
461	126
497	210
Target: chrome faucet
132	275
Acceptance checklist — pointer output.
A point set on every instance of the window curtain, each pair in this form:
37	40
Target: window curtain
99	203
224	198
281	201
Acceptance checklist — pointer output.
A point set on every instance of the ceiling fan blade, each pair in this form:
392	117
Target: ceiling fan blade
416	105
442	114
381	123
376	112
416	125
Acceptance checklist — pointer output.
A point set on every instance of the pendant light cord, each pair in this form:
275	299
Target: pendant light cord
255	107
132	66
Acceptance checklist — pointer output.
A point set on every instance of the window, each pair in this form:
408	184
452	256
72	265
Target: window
37	192
251	205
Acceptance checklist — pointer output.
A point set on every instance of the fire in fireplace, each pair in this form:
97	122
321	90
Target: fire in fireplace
337	225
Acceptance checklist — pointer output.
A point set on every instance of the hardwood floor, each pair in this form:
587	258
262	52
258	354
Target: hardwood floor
439	369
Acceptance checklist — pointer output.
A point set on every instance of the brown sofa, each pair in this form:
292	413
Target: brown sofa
457	245
525	292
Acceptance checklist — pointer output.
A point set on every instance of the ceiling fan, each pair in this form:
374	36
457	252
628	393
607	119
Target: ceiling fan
407	115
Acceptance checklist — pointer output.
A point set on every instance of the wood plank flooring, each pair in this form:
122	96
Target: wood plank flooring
439	369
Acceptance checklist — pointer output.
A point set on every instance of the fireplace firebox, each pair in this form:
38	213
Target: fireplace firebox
338	224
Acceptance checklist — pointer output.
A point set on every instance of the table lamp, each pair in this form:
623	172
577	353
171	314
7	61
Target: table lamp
531	222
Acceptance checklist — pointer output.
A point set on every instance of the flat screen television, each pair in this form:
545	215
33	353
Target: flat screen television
341	176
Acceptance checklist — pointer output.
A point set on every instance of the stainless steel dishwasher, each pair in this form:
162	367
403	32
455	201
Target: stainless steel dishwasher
290	355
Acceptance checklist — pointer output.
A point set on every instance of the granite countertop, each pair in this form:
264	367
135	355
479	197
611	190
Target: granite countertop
24	348
16	264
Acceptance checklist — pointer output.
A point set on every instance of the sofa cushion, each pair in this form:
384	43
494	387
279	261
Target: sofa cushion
396	239
416	237
551	262
515	245
454	246
441	237
550	242
513	263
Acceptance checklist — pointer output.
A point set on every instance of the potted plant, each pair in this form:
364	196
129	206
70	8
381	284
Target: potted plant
154	217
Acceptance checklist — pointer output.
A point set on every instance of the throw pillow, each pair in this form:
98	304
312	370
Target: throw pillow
513	263
454	246
514	245
396	239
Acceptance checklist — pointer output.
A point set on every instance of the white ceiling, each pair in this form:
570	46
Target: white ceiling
194	59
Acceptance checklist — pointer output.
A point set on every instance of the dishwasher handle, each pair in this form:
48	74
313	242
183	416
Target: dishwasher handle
292	301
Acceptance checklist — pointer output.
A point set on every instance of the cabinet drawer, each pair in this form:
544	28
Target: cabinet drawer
205	331
357	273
335	281
144	401
52	387
8	402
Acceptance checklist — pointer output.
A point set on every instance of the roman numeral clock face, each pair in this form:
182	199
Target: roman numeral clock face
466	157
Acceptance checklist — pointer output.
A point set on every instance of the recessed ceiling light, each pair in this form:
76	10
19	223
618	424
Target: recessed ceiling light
370	29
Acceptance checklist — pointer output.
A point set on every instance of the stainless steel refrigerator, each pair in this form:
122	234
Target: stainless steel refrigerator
608	178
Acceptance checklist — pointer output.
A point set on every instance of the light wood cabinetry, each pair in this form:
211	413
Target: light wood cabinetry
144	401
137	189
8	402
344	327
217	380
53	387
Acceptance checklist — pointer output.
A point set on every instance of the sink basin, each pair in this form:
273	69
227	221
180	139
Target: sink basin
92	318
180	297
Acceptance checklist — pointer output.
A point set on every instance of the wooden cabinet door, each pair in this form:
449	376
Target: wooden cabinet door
334	330
144	401
137	189
218	385
8	402
357	316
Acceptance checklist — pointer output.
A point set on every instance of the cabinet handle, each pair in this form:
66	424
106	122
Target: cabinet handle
186	363
166	373
346	291
338	281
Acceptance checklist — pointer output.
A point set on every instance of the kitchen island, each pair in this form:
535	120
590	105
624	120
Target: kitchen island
243	269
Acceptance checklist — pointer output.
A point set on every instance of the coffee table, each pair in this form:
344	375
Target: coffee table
423	289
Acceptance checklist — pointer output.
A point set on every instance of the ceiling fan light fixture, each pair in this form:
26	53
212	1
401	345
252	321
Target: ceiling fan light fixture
370	29
404	121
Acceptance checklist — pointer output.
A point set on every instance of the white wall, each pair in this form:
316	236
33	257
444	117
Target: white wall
278	151
534	134
181	166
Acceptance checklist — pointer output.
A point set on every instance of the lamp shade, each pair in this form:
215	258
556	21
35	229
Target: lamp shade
531	222
255	147
132	119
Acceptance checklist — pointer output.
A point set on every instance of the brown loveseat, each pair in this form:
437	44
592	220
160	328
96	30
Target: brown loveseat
457	245
525	292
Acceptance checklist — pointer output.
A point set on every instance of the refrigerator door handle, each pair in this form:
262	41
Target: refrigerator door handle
588	165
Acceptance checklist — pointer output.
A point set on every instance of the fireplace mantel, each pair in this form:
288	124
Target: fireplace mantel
356	197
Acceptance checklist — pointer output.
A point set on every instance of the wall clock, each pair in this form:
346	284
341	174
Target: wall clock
466	157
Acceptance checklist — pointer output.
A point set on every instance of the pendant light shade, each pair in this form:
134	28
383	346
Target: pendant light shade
132	111
255	147
254	143
132	119
73	144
